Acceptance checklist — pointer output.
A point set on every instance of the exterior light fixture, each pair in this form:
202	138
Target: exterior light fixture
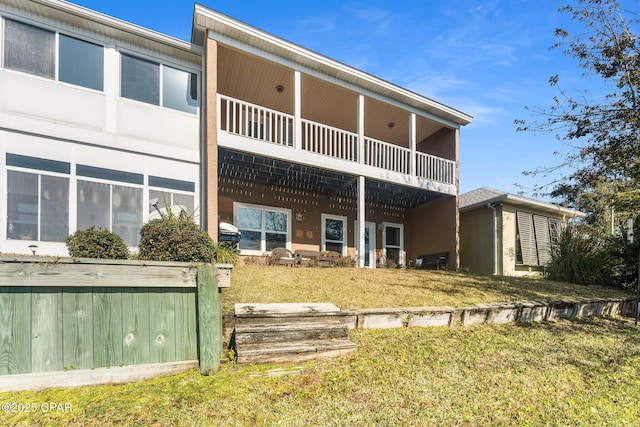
280	88
33	249
391	125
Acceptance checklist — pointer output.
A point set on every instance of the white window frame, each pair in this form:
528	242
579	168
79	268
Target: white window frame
400	248
263	241
324	217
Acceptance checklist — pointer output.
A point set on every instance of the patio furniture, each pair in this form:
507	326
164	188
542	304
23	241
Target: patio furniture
282	256
303	256
439	261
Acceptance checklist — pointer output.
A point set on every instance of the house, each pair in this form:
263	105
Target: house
304	152
102	122
506	234
99	121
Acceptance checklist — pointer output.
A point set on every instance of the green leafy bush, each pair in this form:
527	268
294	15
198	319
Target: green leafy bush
225	254
175	239
100	243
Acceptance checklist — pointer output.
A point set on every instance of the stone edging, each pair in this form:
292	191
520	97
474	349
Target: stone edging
496	313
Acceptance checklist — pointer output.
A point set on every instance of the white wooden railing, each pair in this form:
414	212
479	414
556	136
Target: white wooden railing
435	168
387	156
329	141
252	121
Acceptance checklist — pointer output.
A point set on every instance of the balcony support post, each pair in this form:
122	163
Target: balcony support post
361	221
412	144
297	111
360	143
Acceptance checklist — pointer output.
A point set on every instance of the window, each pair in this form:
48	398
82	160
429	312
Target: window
141	80
534	235
112	206
262	228
33	50
393	237
334	233
37	202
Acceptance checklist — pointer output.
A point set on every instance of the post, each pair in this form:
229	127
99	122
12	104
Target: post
638	290
209	320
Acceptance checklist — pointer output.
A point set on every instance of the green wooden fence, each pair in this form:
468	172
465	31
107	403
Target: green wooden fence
58	315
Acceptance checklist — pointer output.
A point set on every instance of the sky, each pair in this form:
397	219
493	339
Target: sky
489	59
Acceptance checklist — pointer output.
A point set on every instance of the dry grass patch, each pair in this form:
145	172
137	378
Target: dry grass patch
352	288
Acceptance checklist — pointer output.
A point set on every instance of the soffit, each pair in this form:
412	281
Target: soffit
246	35
54	11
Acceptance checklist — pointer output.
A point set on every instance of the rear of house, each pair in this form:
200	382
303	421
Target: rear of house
304	152
506	234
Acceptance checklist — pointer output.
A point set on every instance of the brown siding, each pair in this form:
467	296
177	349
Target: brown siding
442	144
476	240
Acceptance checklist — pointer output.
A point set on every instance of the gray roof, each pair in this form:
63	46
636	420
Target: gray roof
480	197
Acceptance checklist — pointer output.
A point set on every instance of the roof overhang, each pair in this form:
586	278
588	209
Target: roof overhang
524	202
95	22
226	29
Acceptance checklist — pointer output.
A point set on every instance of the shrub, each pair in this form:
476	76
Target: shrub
575	258
175	239
100	243
225	254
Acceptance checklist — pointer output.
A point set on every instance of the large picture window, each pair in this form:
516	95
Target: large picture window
157	84
32	50
334	233
262	228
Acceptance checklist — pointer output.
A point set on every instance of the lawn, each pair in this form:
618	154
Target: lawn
580	372
566	372
352	288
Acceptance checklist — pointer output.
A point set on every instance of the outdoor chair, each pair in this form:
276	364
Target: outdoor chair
282	256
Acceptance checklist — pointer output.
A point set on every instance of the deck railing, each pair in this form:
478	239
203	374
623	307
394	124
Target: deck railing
252	121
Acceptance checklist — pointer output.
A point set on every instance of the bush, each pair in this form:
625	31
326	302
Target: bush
100	243
175	239
225	254
620	262
575	258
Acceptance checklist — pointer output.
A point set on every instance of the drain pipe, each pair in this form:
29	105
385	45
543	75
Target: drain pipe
494	238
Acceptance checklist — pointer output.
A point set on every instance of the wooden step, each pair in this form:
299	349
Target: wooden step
293	351
289	332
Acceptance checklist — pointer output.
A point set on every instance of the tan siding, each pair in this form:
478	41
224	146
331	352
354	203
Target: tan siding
211	131
476	240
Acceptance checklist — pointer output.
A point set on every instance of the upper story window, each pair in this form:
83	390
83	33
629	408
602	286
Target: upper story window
52	55
153	83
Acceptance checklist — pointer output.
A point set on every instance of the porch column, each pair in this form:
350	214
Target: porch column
209	159
361	222
412	144
360	128
297	110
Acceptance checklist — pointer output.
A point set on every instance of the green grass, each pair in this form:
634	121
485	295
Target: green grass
351	288
581	372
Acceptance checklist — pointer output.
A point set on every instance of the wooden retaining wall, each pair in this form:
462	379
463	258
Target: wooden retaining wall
525	311
69	315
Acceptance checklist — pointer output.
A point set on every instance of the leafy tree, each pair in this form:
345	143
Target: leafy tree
604	134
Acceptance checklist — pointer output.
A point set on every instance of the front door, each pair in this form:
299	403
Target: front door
369	243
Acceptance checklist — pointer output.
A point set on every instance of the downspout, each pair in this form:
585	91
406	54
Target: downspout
494	238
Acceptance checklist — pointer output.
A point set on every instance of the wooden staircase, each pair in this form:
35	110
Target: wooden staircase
273	333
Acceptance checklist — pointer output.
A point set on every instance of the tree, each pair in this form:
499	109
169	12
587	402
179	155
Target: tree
604	135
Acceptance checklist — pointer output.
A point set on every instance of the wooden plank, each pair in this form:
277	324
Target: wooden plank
77	328
209	320
15	330
162	325
186	339
135	323
107	327
95	275
46	333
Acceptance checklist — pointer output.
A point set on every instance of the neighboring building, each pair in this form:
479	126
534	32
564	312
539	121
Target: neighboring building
506	234
98	118
304	152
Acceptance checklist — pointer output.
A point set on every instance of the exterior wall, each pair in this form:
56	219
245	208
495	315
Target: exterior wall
211	138
507	249
45	118
476	246
433	228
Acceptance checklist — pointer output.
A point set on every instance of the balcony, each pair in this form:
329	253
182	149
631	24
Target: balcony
255	129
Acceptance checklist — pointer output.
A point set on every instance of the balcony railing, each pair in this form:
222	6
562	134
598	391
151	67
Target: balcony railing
266	125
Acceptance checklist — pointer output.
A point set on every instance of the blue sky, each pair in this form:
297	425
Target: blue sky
488	59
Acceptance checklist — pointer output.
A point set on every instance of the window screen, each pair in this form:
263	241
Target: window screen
29	49
139	79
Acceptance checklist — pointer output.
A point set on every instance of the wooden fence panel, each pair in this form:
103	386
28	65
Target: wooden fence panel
107	327
135	321
162	321
77	324
15	331
46	333
186	340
